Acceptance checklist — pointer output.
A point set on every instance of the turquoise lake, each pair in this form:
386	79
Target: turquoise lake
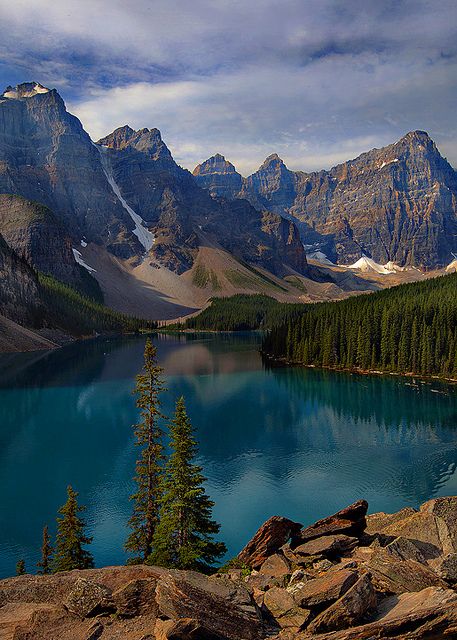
296	442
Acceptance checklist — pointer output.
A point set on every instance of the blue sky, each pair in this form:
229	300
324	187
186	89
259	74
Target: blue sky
316	81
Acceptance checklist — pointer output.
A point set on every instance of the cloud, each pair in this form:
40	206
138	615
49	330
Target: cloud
311	80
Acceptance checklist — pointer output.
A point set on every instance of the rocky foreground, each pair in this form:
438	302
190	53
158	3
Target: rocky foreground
346	577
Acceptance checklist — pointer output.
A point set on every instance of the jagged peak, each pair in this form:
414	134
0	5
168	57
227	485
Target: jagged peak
124	136
24	90
273	160
214	164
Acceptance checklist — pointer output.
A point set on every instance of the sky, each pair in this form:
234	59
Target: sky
316	81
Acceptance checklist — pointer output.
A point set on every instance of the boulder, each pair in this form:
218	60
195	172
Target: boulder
282	607
350	521
349	610
276	566
214	603
377	522
445	511
427	615
136	598
392	575
405	549
271	536
88	598
324	590
447	568
191	629
330	546
422	528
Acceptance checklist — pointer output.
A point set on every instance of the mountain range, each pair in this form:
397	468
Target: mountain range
120	219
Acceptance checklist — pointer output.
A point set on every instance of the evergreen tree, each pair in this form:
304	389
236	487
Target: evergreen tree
149	468
44	565
69	553
20	567
184	535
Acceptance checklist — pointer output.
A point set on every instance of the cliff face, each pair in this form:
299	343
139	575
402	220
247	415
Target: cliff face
34	234
219	177
184	216
19	290
46	156
398	203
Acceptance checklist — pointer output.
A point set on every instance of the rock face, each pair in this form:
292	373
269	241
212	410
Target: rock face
219	177
271	536
398	203
46	156
19	291
184	216
34	234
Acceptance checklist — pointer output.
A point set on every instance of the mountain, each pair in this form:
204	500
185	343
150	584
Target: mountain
219	176
184	217
47	157
397	204
35	235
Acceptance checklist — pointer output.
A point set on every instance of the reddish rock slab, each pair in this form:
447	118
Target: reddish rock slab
325	589
350	521
276	566
349	610
271	536
329	546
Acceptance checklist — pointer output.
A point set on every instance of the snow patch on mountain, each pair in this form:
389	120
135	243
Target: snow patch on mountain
367	264
452	266
384	164
25	90
79	260
145	237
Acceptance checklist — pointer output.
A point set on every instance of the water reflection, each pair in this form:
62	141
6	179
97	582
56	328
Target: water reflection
290	441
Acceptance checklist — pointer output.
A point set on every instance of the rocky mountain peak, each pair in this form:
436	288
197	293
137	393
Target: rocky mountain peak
148	141
24	90
215	164
273	161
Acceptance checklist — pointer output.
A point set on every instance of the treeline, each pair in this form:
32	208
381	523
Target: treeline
244	312
411	328
71	311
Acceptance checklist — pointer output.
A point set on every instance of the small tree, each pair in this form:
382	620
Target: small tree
44	565
70	537
183	537
20	567
149	467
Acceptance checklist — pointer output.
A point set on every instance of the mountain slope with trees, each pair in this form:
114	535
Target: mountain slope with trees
407	329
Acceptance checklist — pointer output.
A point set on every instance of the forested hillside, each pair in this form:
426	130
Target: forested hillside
407	329
244	312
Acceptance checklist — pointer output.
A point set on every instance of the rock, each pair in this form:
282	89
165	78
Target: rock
299	575
322	565
191	629
447	568
135	598
349	609
88	598
405	549
445	511
329	546
276	566
350	521
271	536
325	589
391	575
377	522
295	619
422	528
278	602
214	603
430	614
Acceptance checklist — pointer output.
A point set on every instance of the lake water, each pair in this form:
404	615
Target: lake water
296	442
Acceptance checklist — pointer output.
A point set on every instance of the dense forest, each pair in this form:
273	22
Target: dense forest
71	311
411	328
244	312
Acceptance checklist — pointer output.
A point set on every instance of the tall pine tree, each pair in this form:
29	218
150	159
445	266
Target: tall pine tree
44	565
149	467
184	535
71	537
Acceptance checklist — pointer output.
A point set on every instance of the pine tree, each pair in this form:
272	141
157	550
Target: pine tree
149	467
184	535
69	553
20	567
44	565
